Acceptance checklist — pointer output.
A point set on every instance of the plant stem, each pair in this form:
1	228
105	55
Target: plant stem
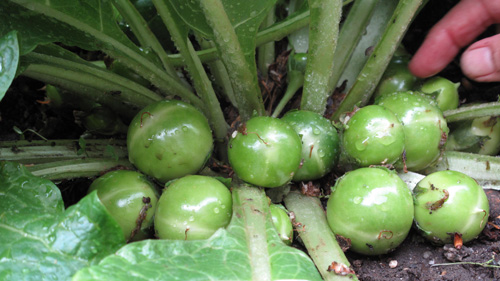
128	54
374	68
143	33
266	52
485	169
323	33
471	112
351	32
76	168
243	79
275	32
38	152
296	80
200	78
131	91
88	86
374	30
250	203
315	233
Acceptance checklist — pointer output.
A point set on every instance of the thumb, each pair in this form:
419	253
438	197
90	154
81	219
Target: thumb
481	61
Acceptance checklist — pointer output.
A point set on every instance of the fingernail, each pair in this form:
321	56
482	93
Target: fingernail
478	62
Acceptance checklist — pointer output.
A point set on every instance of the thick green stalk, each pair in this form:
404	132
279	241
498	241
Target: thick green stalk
219	74
374	68
266	53
485	169
474	111
252	205
315	233
88	86
273	33
68	169
323	33
38	152
130	91
200	78
374	30
243	79
351	32
143	33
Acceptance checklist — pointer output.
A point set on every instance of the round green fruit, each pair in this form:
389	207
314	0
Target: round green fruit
425	128
282	223
193	208
449	203
373	208
127	195
320	143
444	91
265	151
373	136
169	139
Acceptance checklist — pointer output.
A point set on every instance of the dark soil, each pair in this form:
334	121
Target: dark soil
415	259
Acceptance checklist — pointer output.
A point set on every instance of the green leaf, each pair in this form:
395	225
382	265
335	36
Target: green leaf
240	252
9	58
35	21
42	241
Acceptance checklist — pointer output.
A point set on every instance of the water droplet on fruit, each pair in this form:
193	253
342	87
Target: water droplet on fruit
216	210
184	128
223	206
191	218
147	143
316	131
387	140
356	200
321	153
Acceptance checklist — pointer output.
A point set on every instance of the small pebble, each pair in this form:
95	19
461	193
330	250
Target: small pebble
427	254
393	264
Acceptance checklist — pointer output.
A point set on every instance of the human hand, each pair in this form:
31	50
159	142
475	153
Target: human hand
468	19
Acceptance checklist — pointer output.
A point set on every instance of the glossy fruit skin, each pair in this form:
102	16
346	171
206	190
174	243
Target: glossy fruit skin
122	193
397	78
425	128
373	207
444	91
193	208
265	151
169	139
282	223
448	202
320	143
373	136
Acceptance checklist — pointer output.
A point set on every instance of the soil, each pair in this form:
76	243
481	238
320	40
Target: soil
416	259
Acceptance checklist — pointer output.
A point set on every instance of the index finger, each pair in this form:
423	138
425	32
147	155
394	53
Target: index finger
458	28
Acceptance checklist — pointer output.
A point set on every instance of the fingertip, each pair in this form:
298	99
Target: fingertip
481	61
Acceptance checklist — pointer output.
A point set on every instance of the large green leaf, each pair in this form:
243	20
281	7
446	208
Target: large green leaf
40	21
42	241
9	58
235	253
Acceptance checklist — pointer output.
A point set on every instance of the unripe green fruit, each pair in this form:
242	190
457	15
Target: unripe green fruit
169	139
449	202
124	194
373	136
265	151
193	207
320	143
373	208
